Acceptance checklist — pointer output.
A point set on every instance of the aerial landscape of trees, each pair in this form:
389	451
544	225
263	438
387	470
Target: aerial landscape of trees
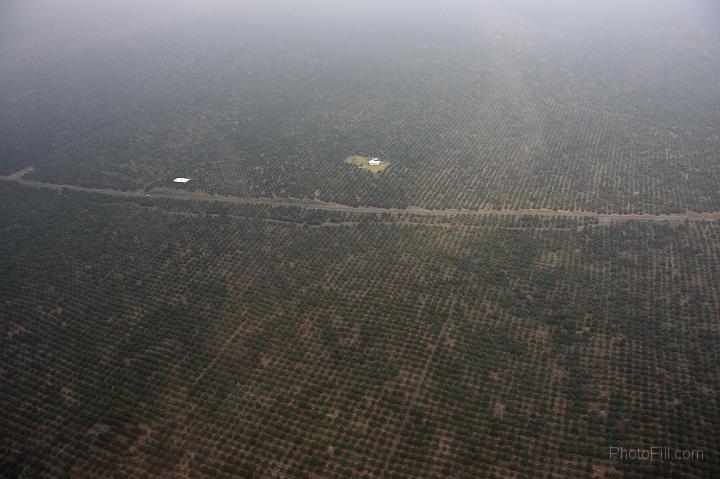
203	275
159	338
466	120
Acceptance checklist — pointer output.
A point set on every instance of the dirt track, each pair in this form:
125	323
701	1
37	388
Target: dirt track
321	205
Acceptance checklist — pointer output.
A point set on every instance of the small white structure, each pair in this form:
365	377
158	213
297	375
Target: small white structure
374	161
181	180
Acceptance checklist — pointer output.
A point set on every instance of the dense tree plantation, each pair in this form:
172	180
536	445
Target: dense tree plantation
364	239
467	119
170	338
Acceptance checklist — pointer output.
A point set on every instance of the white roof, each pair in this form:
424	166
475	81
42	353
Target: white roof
181	180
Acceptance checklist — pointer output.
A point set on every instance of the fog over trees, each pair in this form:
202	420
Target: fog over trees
525	276
76	42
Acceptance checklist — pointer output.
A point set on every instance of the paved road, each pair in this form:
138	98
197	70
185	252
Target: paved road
320	205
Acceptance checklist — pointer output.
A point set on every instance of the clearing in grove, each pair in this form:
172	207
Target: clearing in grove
362	162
